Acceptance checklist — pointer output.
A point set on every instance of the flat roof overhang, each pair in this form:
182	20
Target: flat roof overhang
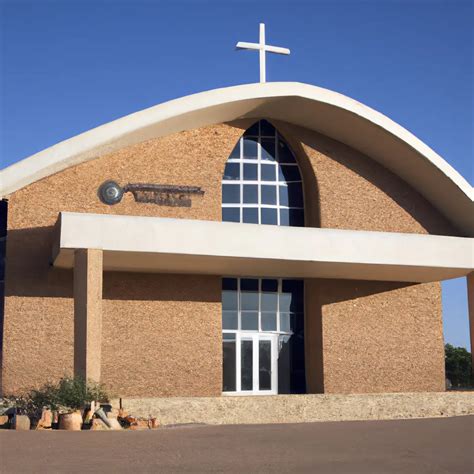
162	245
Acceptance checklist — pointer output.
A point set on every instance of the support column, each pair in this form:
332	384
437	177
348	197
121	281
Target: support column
87	313
470	303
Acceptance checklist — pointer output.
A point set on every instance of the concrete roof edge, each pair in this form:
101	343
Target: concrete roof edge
128	130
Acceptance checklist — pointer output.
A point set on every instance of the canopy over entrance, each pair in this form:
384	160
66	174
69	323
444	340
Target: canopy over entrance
149	244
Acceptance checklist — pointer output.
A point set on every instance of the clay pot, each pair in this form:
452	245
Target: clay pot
21	423
46	420
70	421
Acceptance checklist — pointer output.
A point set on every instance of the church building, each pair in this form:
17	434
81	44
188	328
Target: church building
270	238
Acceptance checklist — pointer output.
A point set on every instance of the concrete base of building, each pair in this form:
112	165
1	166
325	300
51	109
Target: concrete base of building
300	408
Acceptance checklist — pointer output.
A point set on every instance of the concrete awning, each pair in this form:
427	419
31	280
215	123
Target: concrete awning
161	245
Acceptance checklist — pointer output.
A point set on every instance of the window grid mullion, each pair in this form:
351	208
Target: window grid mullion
241	211
277	180
278	304
258	160
259	176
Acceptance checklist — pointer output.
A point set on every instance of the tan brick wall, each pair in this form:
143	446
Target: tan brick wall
162	333
376	337
345	189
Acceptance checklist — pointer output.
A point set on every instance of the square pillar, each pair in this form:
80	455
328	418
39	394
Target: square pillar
470	303
87	313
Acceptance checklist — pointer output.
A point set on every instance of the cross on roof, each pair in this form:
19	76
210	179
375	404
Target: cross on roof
262	48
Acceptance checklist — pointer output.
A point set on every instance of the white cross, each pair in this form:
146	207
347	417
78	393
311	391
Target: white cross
262	48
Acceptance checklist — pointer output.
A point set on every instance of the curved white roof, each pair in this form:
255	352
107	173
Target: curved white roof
322	110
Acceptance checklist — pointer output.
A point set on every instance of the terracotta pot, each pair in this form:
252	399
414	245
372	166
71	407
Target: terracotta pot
46	420
21	423
70	421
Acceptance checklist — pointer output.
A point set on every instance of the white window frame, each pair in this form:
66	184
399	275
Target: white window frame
256	336
259	182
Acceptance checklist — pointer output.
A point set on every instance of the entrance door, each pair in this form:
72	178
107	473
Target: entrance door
262	336
257	364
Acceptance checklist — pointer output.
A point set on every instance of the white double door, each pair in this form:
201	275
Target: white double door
257	363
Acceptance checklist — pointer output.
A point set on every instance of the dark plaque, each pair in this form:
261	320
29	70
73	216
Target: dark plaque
162	194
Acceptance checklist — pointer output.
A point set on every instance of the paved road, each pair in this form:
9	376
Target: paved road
443	445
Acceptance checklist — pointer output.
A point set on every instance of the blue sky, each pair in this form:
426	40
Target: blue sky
68	66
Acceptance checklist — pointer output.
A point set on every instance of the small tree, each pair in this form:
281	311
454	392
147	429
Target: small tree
458	366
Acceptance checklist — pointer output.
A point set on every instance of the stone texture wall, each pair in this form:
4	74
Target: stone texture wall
301	408
162	334
345	189
374	337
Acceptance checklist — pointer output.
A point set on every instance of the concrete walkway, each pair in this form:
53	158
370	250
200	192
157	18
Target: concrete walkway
443	445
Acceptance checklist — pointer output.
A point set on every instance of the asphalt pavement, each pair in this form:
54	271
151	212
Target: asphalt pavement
441	445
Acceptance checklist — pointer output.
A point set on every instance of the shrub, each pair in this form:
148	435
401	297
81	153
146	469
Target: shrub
70	393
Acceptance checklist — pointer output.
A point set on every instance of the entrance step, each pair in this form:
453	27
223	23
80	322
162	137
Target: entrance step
300	408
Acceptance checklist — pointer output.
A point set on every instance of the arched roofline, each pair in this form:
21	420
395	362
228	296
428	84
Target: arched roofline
315	108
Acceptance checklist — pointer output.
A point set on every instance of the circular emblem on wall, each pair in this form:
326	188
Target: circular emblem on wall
110	193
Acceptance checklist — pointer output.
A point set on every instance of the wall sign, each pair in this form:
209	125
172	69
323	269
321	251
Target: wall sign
162	194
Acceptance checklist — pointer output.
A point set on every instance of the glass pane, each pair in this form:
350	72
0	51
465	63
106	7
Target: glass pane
231	193
269	285
231	214
296	217
250	148
266	128
288	173
268	172
246	365
248	301
232	171
230	320
250	193
284	153
228	365
295	195
249	321
268	194
265	365
250	215
269	301
295	289
268	149
269	322
229	283
253	130
284	201
285	322
285	216
269	216
236	151
284	371
249	284
250	172
298	379
285	302
298	323
229	300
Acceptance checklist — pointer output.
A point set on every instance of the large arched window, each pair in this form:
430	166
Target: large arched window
262	181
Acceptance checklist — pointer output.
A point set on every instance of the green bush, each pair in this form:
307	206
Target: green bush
70	393
458	366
